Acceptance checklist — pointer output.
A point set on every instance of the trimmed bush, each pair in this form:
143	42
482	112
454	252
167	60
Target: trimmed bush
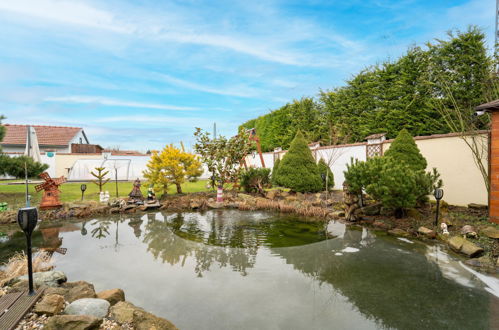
326	175
275	169
298	170
255	180
14	166
404	149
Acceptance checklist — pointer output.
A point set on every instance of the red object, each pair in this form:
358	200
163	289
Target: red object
47	135
50	187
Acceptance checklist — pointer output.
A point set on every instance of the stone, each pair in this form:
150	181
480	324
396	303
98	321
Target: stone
215	205
79	290
284	194
371	210
113	296
51	278
122	312
272	194
380	225
482	262
455	243
50	305
490	232
73	322
398	232
194	204
143	320
88	306
470	249
427	232
337	214
475	206
56	290
247	198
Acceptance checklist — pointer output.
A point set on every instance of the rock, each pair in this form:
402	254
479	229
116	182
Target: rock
475	206
79	290
113	296
284	194
50	278
427	232
143	320
73	322
455	243
56	290
398	232
490	232
290	198
470	249
88	306
371	210
122	312
50	305
272	194
468	231
337	214
115	210
380	225
482	262
247	198
194	204
215	205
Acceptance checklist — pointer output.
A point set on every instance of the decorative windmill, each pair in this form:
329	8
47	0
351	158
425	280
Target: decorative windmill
51	191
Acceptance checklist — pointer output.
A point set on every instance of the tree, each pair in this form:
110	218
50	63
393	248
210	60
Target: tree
404	149
2	131
255	180
326	175
15	166
223	156
298	170
275	169
172	166
101	177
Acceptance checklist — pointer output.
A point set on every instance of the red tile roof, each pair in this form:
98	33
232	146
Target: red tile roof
47	135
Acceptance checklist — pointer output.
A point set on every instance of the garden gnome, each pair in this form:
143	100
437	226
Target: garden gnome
106	197
136	195
150	194
443	226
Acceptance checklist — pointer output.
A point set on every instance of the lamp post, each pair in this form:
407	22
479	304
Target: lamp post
83	187
27	218
438	194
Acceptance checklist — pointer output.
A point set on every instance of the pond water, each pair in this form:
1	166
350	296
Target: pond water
230	269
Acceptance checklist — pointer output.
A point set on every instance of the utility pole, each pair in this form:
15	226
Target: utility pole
215	124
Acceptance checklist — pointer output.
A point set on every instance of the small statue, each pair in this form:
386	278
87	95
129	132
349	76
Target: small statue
150	194
102	197
106	197
136	196
443	226
51	192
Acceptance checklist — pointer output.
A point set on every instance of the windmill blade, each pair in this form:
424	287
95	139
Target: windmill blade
40	187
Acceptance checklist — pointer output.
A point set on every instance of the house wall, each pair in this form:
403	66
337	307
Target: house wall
494	168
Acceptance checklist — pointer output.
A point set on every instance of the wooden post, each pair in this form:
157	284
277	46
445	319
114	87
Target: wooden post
494	168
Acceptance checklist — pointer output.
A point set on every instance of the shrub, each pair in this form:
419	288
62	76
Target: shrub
326	175
15	166
404	149
275	169
255	180
298	170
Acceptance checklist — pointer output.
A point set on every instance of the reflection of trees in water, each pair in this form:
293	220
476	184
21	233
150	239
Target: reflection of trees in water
397	288
102	228
176	248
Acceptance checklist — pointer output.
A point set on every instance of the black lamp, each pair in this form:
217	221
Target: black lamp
438	194
83	187
27	218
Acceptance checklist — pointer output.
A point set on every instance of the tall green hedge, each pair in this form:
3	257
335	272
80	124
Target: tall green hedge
298	170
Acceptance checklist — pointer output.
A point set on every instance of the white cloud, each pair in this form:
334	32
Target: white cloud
113	102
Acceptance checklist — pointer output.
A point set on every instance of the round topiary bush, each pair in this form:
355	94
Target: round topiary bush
297	169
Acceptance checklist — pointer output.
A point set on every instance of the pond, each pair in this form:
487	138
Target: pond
230	269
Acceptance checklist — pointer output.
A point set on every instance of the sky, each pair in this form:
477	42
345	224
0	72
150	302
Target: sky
142	74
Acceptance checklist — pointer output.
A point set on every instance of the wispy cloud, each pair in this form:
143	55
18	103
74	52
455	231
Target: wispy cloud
115	103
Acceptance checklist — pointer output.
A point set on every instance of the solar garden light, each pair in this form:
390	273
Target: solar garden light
27	218
83	187
438	194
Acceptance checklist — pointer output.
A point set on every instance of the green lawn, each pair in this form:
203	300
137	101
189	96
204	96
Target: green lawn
14	195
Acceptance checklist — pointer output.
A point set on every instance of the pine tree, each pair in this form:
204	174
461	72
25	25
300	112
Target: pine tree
100	176
404	149
326	175
298	170
275	172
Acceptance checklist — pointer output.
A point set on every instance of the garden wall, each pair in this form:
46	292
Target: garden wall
463	183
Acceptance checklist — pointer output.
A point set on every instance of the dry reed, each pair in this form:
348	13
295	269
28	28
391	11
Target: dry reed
18	265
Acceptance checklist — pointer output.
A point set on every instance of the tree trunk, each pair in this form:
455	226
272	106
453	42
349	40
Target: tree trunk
179	188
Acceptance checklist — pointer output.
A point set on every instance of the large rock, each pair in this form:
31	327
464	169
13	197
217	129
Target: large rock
122	312
272	194
247	198
72	322
398	232
470	249
215	205
490	232
50	305
51	278
371	210
455	243
79	290
143	320
427	232
88	306
475	206
113	296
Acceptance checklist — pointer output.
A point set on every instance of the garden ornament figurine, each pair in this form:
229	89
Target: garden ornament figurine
101	197
150	194
51	192
135	196
443	226
106	197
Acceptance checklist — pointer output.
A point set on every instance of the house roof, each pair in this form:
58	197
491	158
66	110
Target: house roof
47	135
489	106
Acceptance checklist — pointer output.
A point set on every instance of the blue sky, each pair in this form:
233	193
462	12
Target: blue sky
142	74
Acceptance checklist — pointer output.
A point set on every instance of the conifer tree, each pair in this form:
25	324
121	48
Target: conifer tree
275	173
298	170
326	175
100	176
404	149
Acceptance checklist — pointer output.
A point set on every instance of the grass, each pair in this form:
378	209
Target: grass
14	195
